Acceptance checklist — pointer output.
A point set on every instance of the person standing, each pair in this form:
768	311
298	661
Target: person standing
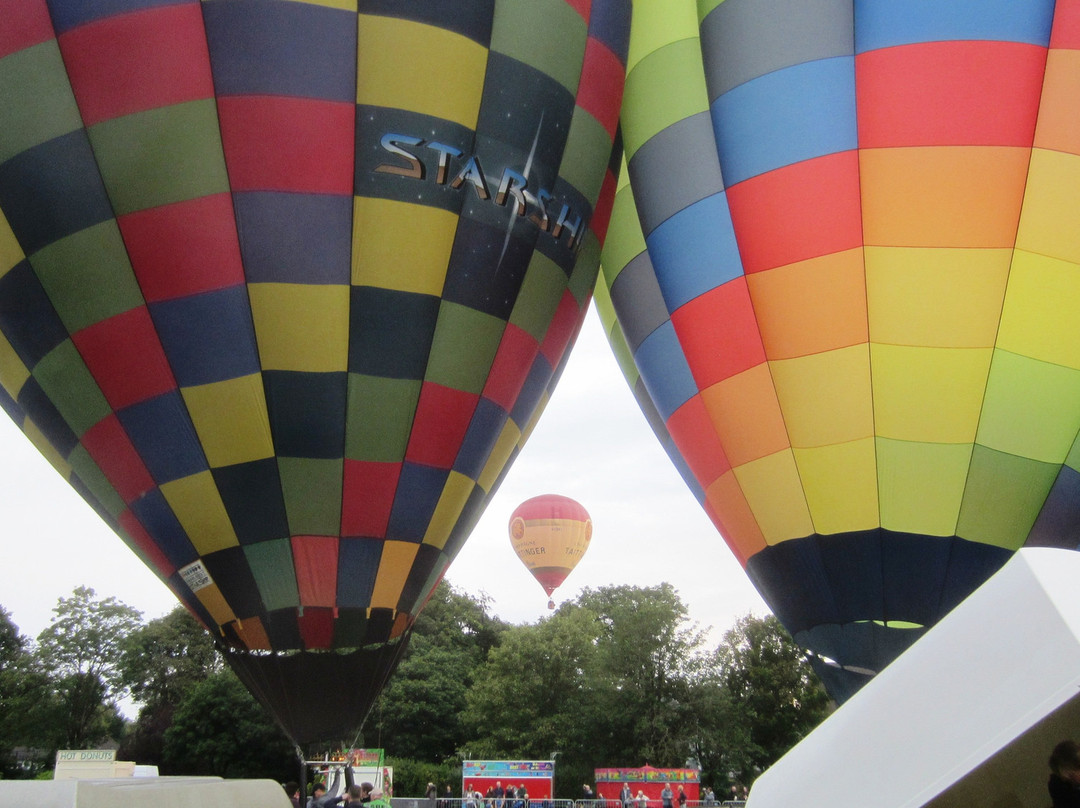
626	796
292	791
318	791
1064	784
667	796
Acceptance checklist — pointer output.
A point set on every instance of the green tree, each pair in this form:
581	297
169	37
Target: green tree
12	643
418	715
84	715
28	704
219	729
608	680
159	663
777	696
718	734
531	697
412	776
453	619
85	636
81	650
651	658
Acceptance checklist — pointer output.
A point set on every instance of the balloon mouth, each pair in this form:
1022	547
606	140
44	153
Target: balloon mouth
550	578
293	686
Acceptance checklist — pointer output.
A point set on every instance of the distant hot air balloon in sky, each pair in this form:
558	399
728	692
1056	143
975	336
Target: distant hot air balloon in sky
846	272
550	533
284	285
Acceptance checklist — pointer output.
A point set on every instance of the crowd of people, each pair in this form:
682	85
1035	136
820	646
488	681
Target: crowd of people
354	796
511	796
497	796
670	799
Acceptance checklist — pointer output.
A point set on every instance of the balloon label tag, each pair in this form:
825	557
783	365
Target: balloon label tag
196	576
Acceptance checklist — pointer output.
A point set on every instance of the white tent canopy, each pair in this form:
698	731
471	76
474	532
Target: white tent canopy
966	717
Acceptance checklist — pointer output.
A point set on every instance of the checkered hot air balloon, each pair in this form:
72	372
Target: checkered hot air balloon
284	285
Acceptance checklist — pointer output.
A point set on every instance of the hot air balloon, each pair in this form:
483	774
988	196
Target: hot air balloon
550	533
283	286
845	275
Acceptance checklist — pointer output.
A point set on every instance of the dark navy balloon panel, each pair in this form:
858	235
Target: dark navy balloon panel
839	279
284	285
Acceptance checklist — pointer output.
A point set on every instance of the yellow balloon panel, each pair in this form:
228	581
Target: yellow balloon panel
1040	314
394	59
931	395
301	327
1048	225
397	559
214	603
826	397
387	252
231	420
10	251
508	440
13	373
198	507
774	492
840	485
921	485
449	508
935	296
550	542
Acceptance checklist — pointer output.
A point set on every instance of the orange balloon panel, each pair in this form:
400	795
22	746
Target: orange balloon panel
550	534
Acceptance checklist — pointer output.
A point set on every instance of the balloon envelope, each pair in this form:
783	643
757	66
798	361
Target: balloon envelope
283	286
845	272
550	533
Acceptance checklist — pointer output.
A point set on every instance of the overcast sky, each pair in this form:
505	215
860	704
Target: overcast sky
592	444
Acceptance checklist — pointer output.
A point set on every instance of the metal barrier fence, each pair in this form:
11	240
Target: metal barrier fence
514	802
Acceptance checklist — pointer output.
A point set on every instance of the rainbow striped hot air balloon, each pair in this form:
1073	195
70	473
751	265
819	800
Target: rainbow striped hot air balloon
846	270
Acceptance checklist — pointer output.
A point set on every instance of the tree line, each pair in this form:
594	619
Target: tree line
620	677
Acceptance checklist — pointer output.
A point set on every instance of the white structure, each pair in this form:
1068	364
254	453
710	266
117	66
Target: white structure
143	792
966	717
91	764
